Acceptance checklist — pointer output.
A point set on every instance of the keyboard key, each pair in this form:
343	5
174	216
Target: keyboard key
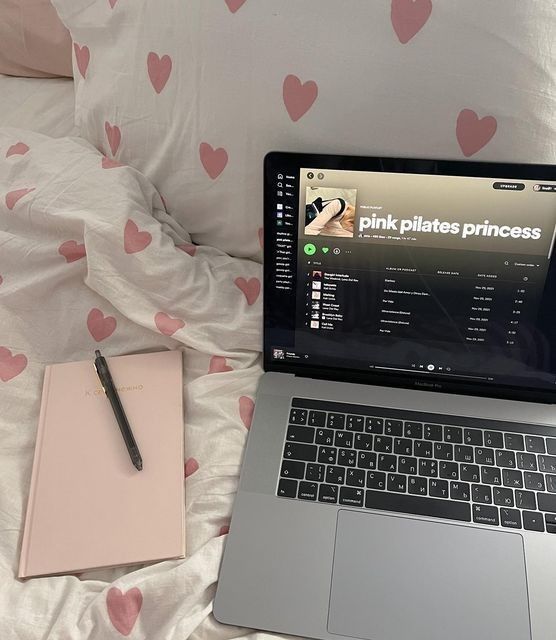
422	449
494	439
503	497
351	496
463	453
343	439
527	461
512	478
386	462
287	488
534	481
328	493
396	482
550	483
481	493
510	518
347	457
550	522
484	456
307	491
366	460
298	416
335	475
355	478
514	441
443	451
551	446
460	491
376	480
292	469
490	475
413	430
300	434
317	419
296	451
335	421
428	468
363	441
449	470
324	436
393	427
383	444
547	464
417	486
533	521
419	506
534	444
473	436
453	434
505	458
403	446
526	500
433	432
438	488
547	502
485	515
327	455
374	425
469	472
355	423
314	472
407	465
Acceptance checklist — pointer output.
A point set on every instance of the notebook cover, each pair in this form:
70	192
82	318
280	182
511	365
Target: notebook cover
88	505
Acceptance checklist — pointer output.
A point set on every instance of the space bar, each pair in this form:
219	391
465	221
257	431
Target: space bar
418	506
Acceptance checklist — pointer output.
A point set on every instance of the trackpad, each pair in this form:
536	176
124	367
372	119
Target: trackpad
397	578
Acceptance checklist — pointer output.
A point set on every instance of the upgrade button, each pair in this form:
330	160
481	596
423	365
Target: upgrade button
509	186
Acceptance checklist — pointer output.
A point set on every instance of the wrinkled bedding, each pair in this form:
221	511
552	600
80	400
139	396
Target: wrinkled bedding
89	259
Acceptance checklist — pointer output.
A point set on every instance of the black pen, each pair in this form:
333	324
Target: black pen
110	390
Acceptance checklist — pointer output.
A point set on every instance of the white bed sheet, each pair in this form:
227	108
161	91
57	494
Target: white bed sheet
44	105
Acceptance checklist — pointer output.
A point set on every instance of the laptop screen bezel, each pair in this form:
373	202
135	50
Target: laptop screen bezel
287	161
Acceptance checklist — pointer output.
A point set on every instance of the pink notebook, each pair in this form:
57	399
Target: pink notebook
88	505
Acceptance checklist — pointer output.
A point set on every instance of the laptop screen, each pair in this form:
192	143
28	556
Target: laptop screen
432	274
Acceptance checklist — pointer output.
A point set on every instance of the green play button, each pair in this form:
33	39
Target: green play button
310	249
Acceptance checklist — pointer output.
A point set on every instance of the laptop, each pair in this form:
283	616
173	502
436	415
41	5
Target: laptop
399	479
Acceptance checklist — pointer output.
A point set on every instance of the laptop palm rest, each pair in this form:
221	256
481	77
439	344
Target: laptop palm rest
398	577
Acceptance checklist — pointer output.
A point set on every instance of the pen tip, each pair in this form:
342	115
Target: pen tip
97	353
139	465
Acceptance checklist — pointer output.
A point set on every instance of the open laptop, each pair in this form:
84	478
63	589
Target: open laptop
400	474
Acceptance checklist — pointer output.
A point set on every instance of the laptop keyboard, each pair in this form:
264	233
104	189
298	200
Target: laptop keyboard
494	473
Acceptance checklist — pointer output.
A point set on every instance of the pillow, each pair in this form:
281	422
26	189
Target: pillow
194	93
33	41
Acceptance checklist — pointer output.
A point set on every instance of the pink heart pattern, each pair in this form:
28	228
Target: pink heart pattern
17	149
188	248
166	324
11	366
159	70
251	288
409	17
246	408
112	3
234	5
82	57
108	163
99	325
218	365
224	529
299	97
191	465
13	197
114	136
72	251
123	608
135	240
472	132
213	160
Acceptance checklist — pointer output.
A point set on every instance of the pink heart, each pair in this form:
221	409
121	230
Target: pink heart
159	70
108	163
123	608
135	240
261	237
11	366
224	529
234	5
473	133
214	160
191	465
112	3
114	136
409	17
100	327
72	251
82	56
14	196
187	247
246	408
218	365
298	97
251	288
17	149
168	325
